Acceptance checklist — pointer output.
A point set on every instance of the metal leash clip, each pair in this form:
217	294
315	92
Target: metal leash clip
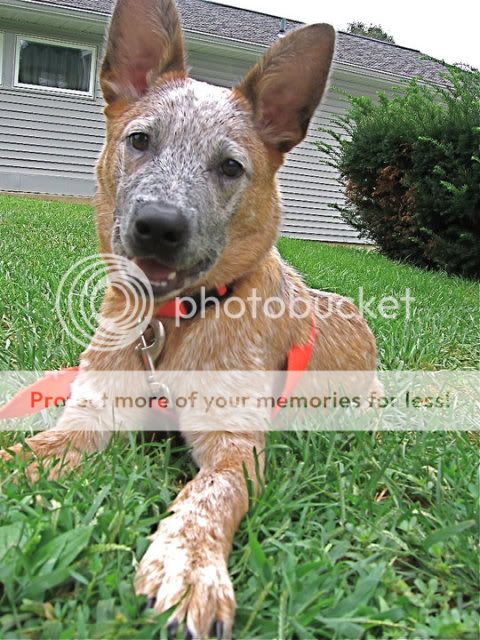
150	354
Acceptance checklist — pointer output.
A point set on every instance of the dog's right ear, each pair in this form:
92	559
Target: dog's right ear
144	41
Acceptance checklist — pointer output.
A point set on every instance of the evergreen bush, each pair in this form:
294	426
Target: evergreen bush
410	166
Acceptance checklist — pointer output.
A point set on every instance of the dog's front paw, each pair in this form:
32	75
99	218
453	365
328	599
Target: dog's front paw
19	452
15	450
34	464
185	566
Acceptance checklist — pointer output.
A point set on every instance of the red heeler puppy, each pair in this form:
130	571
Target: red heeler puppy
187	189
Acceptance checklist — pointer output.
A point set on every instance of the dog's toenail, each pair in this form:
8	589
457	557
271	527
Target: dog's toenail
188	634
150	603
217	630
172	630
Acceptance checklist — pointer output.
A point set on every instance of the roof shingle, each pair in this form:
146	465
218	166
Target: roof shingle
260	28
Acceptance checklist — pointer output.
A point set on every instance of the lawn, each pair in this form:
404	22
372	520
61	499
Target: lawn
357	535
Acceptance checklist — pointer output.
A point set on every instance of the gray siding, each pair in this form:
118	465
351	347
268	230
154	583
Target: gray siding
309	186
50	141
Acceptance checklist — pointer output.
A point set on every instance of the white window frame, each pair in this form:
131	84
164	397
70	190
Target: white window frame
2	44
58	43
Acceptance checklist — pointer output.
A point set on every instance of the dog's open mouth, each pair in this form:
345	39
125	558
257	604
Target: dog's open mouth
165	280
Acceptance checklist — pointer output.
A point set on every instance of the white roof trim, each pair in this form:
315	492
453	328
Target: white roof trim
89	16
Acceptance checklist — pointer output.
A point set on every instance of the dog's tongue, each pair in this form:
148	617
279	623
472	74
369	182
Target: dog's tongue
154	271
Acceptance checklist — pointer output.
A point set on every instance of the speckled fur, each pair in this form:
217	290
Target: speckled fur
191	126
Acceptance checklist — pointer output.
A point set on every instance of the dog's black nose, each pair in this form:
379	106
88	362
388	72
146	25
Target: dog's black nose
159	229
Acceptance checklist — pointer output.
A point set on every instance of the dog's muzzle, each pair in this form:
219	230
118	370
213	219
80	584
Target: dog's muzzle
159	230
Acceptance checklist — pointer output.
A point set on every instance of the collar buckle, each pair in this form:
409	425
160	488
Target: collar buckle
149	354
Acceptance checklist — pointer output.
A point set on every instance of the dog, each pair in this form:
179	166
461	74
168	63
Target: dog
187	190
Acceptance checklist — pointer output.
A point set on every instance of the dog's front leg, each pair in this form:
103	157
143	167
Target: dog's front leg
187	560
60	449
82	428
79	430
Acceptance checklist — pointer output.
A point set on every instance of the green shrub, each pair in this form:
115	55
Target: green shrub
410	165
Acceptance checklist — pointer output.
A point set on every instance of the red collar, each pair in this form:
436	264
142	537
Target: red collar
185	306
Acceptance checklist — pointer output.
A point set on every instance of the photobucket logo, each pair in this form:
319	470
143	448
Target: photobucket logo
323	304
80	294
388	307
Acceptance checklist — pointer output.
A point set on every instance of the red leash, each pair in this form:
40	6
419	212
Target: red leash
54	388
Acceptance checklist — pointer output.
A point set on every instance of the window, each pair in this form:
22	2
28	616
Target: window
54	66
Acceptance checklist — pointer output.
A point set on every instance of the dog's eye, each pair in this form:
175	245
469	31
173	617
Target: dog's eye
232	168
139	141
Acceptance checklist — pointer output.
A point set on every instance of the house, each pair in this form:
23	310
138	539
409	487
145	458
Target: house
51	121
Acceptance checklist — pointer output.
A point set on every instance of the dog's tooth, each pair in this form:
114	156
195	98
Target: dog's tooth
172	275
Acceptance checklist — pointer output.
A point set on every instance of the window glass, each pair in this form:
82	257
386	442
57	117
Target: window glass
55	66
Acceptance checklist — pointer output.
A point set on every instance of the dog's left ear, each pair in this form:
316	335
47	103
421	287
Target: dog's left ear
286	86
144	40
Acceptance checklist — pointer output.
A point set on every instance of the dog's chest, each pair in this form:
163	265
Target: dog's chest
213	344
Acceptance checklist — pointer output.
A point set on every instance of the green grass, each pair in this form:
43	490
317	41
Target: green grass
355	536
442	330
